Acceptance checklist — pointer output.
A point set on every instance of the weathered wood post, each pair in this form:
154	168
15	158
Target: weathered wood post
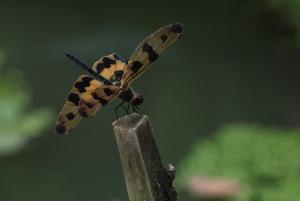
146	178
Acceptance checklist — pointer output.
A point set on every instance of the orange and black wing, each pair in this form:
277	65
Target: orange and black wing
110	67
149	50
90	104
69	116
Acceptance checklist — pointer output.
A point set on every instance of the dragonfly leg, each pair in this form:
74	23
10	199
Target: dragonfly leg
118	106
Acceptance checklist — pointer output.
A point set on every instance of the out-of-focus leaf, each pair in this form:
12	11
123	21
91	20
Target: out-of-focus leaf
18	124
290	12
264	160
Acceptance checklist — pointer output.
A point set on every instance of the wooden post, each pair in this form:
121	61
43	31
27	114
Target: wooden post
146	178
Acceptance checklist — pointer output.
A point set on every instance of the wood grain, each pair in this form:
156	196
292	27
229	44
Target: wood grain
146	178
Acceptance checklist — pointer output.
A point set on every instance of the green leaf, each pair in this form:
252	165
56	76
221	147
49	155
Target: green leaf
18	125
264	160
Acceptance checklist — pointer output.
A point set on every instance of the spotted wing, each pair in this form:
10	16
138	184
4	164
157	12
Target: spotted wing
149	49
69	116
90	104
110	67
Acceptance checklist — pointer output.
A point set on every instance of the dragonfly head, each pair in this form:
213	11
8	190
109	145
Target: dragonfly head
137	99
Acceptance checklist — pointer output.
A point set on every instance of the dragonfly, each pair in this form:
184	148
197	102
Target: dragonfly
111	77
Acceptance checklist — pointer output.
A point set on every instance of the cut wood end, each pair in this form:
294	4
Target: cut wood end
130	121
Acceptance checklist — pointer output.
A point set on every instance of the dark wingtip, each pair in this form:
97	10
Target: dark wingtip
176	28
60	129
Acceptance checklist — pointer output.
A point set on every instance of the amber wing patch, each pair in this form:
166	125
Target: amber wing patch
90	104
69	116
149	50
110	67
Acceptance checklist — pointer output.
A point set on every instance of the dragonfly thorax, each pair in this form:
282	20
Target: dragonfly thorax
129	95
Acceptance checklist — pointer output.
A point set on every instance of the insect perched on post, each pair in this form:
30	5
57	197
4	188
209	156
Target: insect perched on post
110	77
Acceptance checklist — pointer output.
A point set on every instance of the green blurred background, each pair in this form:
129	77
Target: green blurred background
238	61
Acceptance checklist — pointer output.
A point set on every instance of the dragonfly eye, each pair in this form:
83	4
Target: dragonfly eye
137	99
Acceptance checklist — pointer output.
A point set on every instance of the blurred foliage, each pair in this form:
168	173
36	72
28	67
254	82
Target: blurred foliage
243	68
17	124
290	12
264	160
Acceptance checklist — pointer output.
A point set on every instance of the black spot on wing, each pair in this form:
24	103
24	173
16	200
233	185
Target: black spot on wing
108	91
118	75
135	66
89	105
101	100
118	57
83	112
81	85
87	80
70	116
176	28
60	129
106	63
74	98
164	38
149	49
